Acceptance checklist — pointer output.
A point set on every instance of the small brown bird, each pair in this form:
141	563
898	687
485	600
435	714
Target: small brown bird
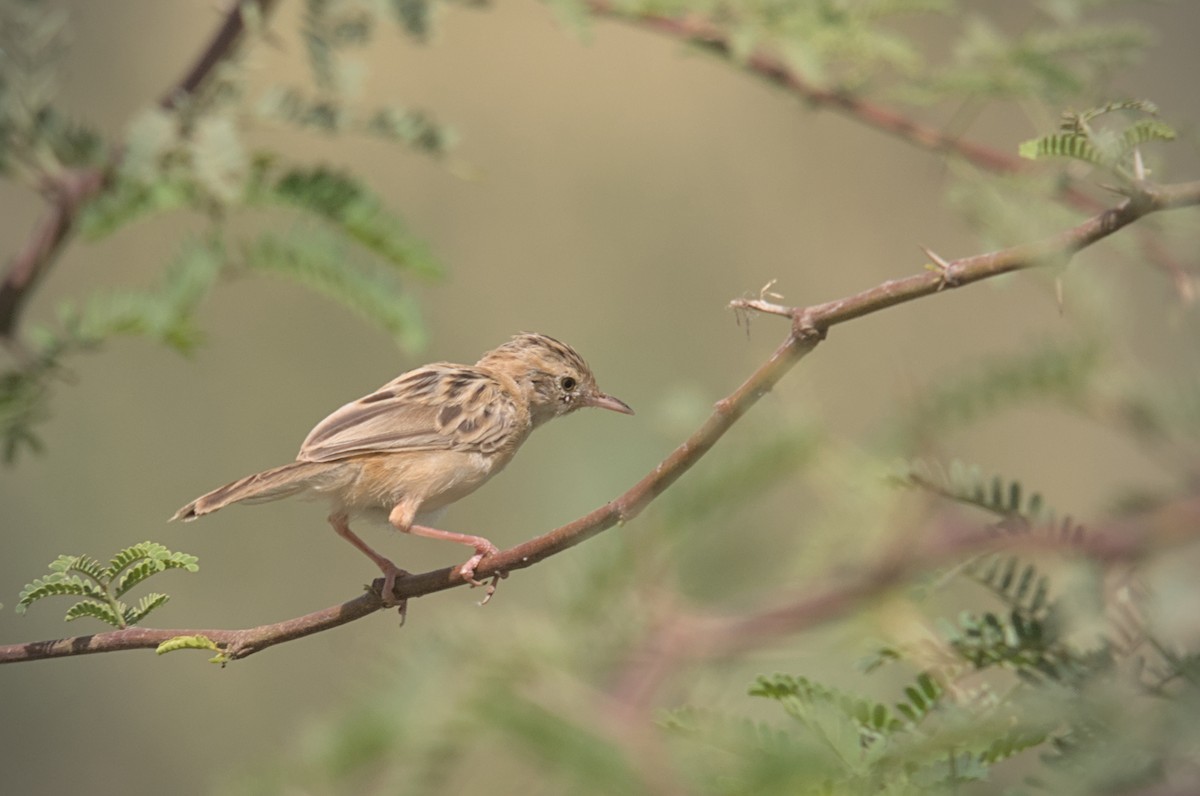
424	440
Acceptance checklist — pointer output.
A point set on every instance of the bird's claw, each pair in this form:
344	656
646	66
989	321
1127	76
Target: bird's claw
387	592
467	571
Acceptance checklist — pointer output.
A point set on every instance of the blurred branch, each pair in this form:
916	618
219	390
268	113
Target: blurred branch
808	328
695	29
684	638
69	190
241	16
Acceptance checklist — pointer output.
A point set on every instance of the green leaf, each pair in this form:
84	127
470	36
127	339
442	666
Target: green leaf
128	200
321	264
187	643
1143	131
131	555
55	585
346	203
415	16
85	565
166	315
1069	145
102	585
145	605
96	610
135	575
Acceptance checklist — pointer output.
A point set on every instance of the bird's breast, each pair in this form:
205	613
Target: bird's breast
427	479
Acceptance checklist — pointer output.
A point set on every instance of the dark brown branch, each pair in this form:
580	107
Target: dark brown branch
808	326
222	44
68	191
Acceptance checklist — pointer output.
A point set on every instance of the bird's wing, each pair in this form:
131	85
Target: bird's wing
436	407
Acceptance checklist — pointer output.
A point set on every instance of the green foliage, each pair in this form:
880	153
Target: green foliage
931	740
331	30
964	714
101	585
192	157
1052	60
311	258
1005	665
34	134
24	398
327	259
1114	149
165	314
351	208
192	643
413	127
590	761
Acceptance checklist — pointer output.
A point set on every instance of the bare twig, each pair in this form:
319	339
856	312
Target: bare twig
807	329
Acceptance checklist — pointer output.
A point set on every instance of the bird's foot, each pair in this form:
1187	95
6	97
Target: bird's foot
387	593
483	549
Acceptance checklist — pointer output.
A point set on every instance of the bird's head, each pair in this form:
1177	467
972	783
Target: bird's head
553	376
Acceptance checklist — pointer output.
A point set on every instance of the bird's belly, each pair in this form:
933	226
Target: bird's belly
429	480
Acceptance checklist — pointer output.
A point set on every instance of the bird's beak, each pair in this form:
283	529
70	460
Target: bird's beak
602	401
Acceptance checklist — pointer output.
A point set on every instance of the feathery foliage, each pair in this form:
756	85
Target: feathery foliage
100	585
192	157
1025	672
1116	149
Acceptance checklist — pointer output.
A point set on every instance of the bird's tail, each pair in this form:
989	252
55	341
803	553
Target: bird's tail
273	484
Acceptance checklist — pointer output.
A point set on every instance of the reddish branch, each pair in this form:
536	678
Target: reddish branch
69	190
700	31
67	193
808	327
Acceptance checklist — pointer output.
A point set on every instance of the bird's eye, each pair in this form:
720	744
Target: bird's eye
567	383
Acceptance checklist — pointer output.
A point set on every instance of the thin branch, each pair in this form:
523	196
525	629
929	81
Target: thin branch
695	29
807	329
70	190
234	643
702	32
220	47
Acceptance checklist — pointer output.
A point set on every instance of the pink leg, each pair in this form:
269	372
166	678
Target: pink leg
341	524
402	517
483	547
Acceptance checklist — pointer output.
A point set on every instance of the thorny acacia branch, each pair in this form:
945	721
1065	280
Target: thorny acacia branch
68	191
703	32
808	328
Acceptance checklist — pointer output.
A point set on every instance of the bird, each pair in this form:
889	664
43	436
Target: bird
424	440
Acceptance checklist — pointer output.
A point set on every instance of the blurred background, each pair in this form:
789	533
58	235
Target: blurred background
613	189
